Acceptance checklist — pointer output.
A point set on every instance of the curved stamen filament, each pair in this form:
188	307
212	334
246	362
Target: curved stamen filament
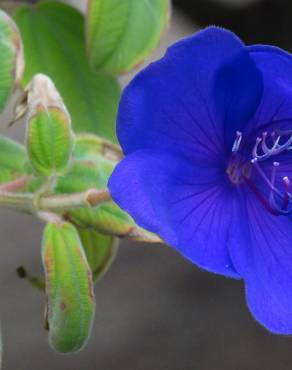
276	148
237	142
278	201
273	178
287	195
264	176
284	198
272	191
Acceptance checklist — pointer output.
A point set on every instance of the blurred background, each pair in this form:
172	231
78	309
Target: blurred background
155	311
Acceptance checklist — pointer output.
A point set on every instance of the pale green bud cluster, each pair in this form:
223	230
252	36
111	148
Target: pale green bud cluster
68	102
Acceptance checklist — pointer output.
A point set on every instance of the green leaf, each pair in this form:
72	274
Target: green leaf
12	155
100	251
122	33
12	160
53	37
11	61
69	288
49	136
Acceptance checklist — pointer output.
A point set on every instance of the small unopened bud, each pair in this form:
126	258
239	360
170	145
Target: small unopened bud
69	288
12	58
49	133
43	95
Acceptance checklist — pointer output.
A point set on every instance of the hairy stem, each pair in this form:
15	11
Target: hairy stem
48	207
90	198
56	203
18	201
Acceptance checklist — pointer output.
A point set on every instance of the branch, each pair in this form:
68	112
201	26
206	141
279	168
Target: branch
19	201
90	198
26	202
48	207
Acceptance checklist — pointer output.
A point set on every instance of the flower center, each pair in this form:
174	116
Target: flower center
278	199
239	168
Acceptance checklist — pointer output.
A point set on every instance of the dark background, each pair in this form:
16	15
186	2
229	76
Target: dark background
259	21
155	311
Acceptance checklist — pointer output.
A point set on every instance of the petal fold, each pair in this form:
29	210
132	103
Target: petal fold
276	105
204	89
188	205
262	253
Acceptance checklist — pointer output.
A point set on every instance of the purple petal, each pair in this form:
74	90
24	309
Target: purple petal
276	105
262	253
188	205
204	88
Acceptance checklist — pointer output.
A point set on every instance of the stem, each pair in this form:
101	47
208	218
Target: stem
36	282
56	203
47	207
21	202
49	217
90	198
96	197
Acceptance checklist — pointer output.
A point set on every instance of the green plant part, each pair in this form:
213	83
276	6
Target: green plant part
108	217
69	288
100	251
56	48
12	60
93	164
13	161
134	30
49	136
59	176
92	147
35	281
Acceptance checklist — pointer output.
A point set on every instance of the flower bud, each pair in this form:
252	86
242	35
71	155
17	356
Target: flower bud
12	59
69	288
49	134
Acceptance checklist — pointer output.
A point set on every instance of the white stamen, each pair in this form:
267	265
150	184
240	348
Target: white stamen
237	142
275	149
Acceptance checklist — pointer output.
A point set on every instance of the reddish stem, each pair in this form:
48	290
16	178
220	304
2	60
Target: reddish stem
15	185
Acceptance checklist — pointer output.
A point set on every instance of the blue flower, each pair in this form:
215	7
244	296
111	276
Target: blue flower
207	137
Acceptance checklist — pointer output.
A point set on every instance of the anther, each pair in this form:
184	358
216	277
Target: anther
286	182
